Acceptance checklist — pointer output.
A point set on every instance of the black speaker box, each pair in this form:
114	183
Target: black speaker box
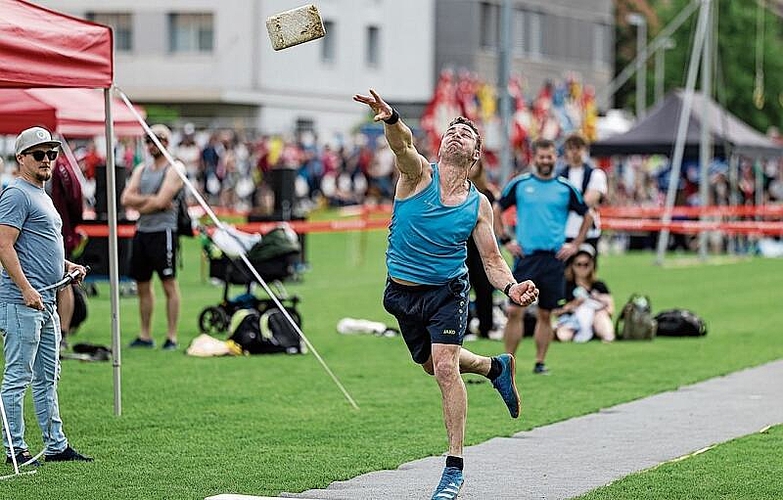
101	202
96	255
282	181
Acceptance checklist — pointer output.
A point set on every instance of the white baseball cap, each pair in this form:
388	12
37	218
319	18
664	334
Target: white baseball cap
34	136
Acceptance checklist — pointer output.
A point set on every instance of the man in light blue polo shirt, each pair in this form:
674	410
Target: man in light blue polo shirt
543	202
32	256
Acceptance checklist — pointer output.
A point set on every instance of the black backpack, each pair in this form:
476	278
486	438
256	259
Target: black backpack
680	323
269	332
184	221
79	306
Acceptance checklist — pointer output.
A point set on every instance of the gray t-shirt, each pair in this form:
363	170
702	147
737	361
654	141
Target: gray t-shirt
40	243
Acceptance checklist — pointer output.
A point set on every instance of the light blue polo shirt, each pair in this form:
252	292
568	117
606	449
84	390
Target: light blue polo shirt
542	210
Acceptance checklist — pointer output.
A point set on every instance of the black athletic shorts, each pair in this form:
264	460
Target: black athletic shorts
429	314
547	272
154	252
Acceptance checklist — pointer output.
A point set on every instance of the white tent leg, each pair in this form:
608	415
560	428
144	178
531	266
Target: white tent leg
114	274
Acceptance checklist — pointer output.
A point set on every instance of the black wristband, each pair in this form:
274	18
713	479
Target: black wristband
504	239
394	118
508	288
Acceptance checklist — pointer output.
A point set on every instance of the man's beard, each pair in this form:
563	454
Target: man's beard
545	170
43	176
455	155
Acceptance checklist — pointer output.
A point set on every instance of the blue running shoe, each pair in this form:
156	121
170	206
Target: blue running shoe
506	386
450	484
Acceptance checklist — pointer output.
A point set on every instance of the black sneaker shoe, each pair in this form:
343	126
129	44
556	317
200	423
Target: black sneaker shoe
68	455
540	369
170	345
139	342
23	458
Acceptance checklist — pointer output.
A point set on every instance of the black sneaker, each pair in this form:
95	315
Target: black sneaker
540	369
139	342
22	458
68	455
170	345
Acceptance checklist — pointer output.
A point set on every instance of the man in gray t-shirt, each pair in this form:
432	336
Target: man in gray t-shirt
32	256
152	191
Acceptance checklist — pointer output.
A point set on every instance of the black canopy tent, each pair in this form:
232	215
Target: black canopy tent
657	132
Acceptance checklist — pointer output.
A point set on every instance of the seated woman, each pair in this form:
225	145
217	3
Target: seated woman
590	305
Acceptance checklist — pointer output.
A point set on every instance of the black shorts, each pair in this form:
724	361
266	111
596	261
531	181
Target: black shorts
547	272
154	252
429	314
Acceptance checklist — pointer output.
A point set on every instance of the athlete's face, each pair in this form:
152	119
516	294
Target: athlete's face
544	160
460	140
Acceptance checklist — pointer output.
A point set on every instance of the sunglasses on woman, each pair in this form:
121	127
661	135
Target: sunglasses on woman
39	155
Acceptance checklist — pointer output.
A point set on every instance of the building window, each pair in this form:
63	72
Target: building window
191	33
305	126
121	24
489	16
519	32
535	34
373	56
328	47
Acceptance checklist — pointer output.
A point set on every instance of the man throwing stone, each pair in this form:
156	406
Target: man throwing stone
436	210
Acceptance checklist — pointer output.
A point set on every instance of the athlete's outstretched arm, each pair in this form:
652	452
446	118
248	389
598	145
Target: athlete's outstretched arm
400	138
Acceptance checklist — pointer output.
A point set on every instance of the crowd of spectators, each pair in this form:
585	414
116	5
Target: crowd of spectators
232	170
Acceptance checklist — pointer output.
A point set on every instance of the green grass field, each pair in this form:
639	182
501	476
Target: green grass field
193	427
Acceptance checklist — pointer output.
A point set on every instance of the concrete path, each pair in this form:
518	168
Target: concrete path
570	458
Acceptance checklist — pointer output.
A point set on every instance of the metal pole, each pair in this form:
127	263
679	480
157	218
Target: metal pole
705	143
733	198
504	63
682	128
114	273
659	55
641	69
609	90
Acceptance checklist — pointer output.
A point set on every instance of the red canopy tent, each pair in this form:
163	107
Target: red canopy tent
43	48
15	103
69	112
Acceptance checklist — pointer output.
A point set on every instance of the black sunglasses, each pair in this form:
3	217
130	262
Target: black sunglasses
39	155
162	140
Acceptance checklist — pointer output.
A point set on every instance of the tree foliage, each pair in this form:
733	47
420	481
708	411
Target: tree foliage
738	37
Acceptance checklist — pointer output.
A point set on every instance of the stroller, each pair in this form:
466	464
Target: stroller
275	257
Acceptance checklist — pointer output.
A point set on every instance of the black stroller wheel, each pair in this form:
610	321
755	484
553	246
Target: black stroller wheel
213	320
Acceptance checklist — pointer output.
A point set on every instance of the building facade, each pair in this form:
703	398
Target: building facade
549	39
210	62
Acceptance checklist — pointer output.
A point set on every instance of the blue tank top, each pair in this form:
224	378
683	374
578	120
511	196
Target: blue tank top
427	239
